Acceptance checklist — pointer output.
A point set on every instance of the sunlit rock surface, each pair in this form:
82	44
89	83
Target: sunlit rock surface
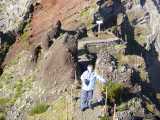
12	13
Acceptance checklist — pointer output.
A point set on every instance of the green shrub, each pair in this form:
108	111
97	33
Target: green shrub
25	34
12	101
18	88
6	76
24	37
84	13
1	8
4	101
15	60
150	107
1	85
122	107
39	108
114	91
2	116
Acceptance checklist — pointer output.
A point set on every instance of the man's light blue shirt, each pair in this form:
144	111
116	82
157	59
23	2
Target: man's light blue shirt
92	77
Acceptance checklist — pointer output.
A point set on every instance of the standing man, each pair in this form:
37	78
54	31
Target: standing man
88	79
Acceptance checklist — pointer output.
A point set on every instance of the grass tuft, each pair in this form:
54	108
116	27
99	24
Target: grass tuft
39	108
114	91
2	116
4	101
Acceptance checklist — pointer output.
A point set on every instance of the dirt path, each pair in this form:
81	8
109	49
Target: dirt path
88	114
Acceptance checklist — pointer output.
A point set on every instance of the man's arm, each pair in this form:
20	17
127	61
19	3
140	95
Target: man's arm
100	78
83	77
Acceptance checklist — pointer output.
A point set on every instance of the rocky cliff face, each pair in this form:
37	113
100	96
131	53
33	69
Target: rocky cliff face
12	13
152	8
46	76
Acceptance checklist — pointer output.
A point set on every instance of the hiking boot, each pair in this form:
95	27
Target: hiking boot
101	101
91	107
83	109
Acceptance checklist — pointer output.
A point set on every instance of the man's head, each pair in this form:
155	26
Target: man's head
90	68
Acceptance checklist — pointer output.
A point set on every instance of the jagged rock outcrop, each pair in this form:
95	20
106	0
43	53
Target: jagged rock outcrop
81	31
13	12
55	69
136	106
55	32
107	12
124	115
64	53
107	67
153	9
6	40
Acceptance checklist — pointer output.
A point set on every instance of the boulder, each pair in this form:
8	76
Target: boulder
64	54
81	31
56	31
136	106
71	43
106	66
124	115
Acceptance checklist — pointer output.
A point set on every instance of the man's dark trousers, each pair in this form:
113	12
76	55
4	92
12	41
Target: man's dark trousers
86	99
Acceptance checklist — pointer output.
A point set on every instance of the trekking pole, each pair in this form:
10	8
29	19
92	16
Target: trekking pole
83	116
114	114
71	102
106	103
75	76
137	62
66	108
